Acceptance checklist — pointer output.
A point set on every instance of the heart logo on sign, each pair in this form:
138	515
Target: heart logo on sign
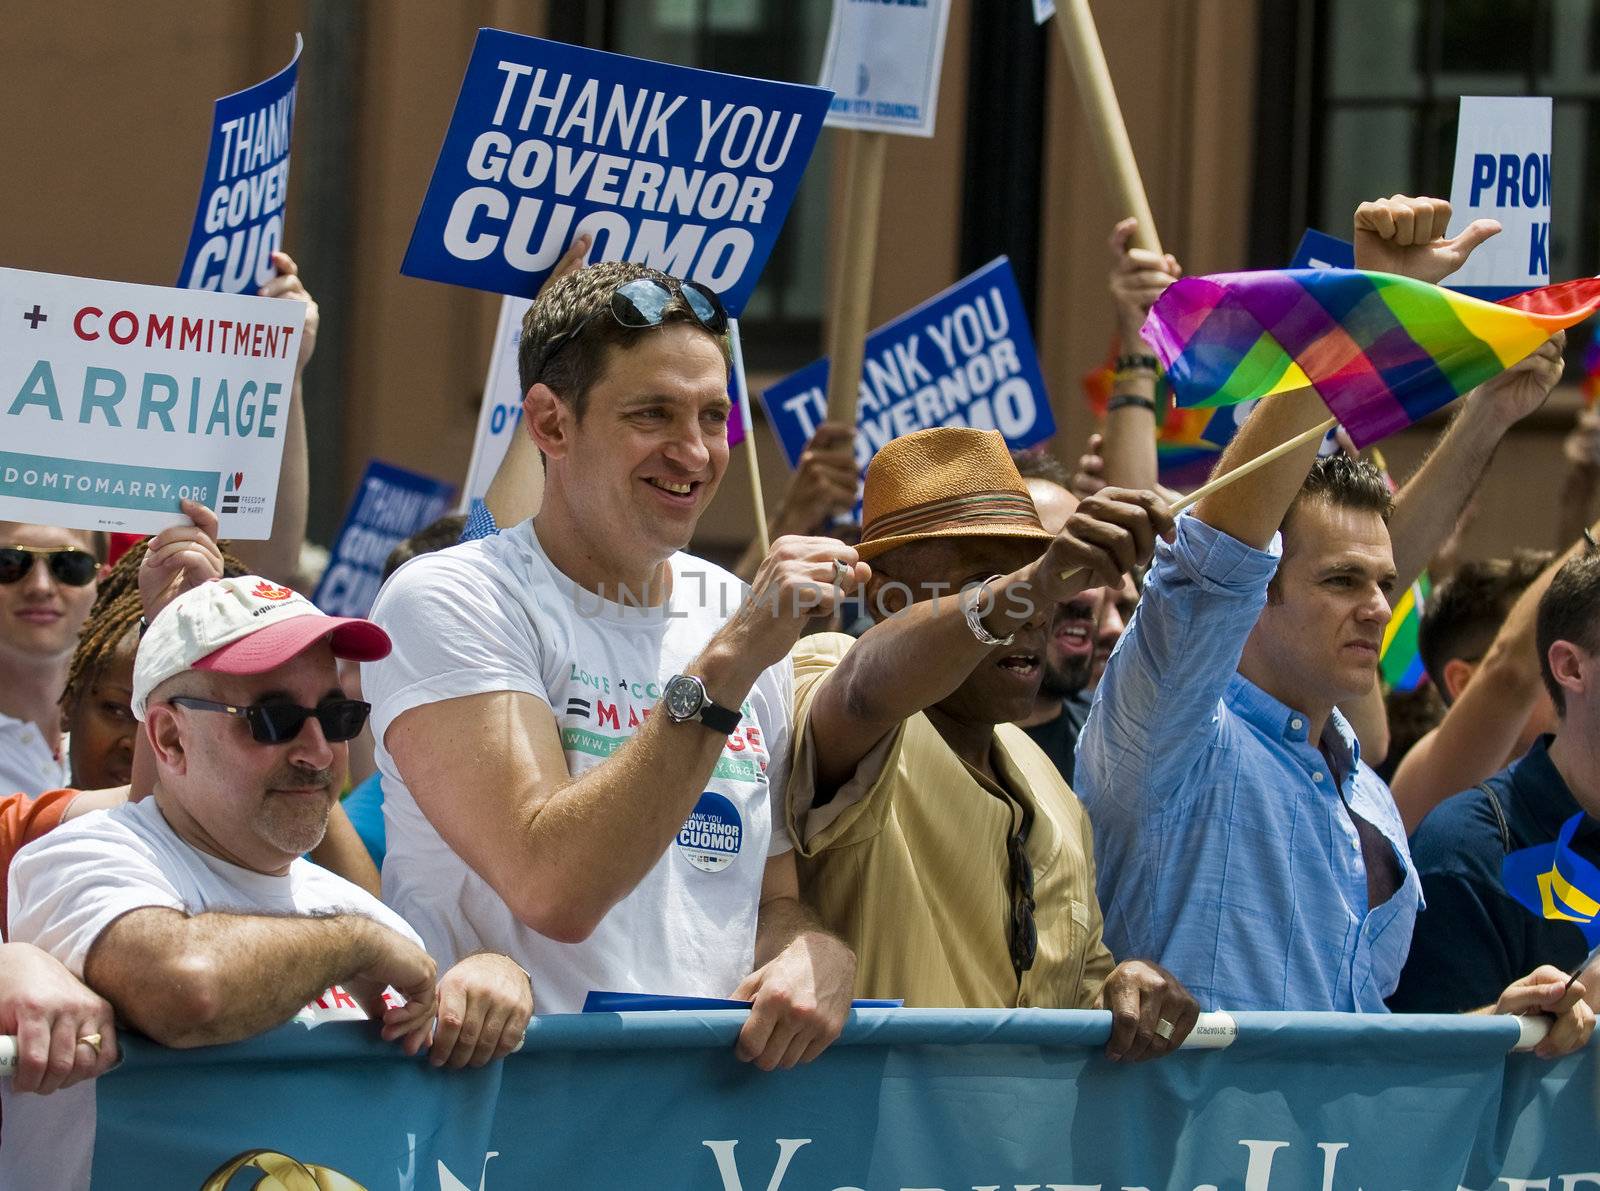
238	480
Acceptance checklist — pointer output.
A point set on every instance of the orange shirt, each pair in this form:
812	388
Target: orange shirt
23	820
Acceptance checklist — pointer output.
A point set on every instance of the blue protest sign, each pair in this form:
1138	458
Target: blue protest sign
1318	250
686	170
965	357
239	222
905	1099
389	506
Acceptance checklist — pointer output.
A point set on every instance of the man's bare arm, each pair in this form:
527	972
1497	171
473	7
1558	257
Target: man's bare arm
913	659
490	773
341	851
213	978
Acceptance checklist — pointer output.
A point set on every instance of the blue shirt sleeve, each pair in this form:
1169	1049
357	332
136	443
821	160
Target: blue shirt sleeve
364	806
480	522
1156	706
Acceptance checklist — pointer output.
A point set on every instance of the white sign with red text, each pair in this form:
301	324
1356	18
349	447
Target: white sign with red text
118	400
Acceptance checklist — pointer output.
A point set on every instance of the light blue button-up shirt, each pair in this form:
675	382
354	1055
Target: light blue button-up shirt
1224	848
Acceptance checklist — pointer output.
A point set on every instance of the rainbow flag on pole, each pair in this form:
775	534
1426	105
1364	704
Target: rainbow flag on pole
1382	351
1400	657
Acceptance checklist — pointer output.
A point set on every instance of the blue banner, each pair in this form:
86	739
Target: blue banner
906	1099
965	357
686	170
389	506
239	222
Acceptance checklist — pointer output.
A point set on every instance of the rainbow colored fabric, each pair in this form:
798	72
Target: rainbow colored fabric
1591	370
1555	883
1382	351
1400	656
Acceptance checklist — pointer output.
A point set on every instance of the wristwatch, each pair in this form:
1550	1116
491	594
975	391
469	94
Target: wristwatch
685	698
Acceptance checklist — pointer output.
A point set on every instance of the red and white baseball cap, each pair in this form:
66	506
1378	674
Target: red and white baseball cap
245	625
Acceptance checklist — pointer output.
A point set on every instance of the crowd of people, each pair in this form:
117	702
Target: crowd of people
1021	738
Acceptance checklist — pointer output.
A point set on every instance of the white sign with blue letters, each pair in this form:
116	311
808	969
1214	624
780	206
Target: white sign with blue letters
882	63
1503	173
118	400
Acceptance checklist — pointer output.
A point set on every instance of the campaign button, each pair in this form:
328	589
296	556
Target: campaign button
712	835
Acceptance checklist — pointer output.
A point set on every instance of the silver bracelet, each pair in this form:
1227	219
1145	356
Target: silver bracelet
969	609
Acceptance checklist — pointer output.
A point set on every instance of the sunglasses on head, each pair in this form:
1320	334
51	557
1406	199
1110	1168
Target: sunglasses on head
68	564
278	723
642	303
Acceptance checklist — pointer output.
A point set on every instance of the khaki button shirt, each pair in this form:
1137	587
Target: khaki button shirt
908	863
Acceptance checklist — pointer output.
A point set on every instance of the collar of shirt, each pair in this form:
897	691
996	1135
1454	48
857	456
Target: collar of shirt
1544	798
26	763
1279	721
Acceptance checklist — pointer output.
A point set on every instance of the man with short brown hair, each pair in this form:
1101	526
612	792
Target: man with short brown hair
583	731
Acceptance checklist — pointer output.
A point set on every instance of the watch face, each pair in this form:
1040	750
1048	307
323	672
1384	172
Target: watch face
683	697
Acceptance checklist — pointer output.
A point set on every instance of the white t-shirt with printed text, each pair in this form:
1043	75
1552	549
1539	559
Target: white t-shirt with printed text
69	886
496	615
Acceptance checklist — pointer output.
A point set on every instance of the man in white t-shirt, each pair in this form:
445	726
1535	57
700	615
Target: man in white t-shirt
191	911
583	731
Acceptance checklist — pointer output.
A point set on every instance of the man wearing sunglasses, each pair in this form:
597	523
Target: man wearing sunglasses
583	730
191	911
47	586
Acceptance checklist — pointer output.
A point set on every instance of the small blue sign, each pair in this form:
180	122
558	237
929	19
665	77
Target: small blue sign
390	505
1318	250
239	222
689	171
965	357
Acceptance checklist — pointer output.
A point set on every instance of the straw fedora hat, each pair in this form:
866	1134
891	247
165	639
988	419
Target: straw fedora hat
949	482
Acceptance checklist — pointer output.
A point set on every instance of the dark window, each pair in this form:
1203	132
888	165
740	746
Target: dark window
1362	96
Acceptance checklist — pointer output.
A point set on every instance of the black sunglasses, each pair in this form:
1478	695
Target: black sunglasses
278	723
69	565
1024	931
642	303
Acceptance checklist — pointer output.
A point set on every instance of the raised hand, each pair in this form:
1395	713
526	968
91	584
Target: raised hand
1109	534
287	284
178	558
1523	387
824	481
1138	278
799	579
1407	236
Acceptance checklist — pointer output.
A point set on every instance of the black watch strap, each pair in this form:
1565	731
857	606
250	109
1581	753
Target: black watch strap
718	718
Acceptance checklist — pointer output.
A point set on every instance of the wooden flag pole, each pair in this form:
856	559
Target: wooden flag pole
1260	461
1244	469
1107	130
852	284
756	497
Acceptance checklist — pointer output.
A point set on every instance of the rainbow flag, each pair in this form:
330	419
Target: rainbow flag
1591	370
1400	657
1555	883
1184	456
1382	351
